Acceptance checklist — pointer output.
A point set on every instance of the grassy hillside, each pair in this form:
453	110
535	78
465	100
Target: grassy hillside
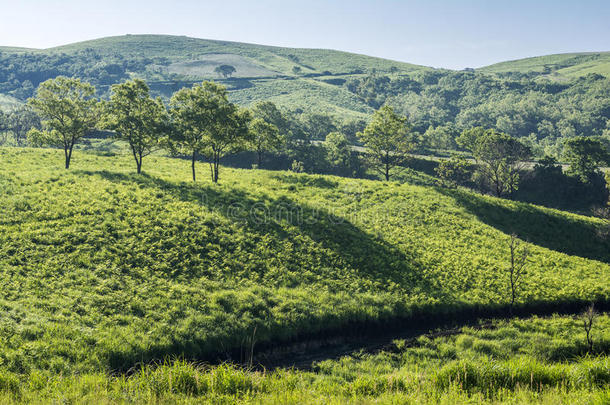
102	269
277	59
537	360
164	60
522	101
557	67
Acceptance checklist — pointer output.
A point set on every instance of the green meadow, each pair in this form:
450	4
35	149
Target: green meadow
103	269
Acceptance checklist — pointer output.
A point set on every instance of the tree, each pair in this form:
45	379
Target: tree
499	157
20	122
137	118
518	260
454	171
272	115
588	320
3	127
225	70
469	138
229	134
340	156
207	123
68	112
338	150
317	126
296	70
265	138
387	141
585	156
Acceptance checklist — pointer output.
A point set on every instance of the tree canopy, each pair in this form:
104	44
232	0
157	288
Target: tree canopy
387	141
68	112
136	118
585	156
225	70
205	122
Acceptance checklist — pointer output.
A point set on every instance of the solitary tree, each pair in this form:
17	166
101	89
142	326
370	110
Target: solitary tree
137	118
518	260
585	156
588	320
265	138
387	141
68	111
225	70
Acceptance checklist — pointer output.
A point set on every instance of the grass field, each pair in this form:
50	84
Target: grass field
102	269
537	360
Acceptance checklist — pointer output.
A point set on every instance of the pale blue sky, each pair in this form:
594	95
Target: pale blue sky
450	33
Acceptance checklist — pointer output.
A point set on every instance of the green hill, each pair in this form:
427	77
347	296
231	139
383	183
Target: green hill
518	98
101	269
557	67
262	72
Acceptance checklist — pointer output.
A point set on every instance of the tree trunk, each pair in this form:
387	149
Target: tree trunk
193	164
216	168
260	159
68	154
137	156
67	158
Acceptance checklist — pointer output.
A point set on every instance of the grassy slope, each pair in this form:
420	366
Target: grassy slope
101	268
569	65
253	62
537	360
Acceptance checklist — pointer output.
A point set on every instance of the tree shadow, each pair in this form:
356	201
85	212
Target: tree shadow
367	255
563	233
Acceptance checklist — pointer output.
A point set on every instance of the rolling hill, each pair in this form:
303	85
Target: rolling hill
557	67
102	269
262	72
550	97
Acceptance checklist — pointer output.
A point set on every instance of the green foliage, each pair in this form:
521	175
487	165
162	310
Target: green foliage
387	141
136	118
454	171
548	185
520	101
585	156
499	158
15	125
225	70
207	123
265	138
68	111
556	67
